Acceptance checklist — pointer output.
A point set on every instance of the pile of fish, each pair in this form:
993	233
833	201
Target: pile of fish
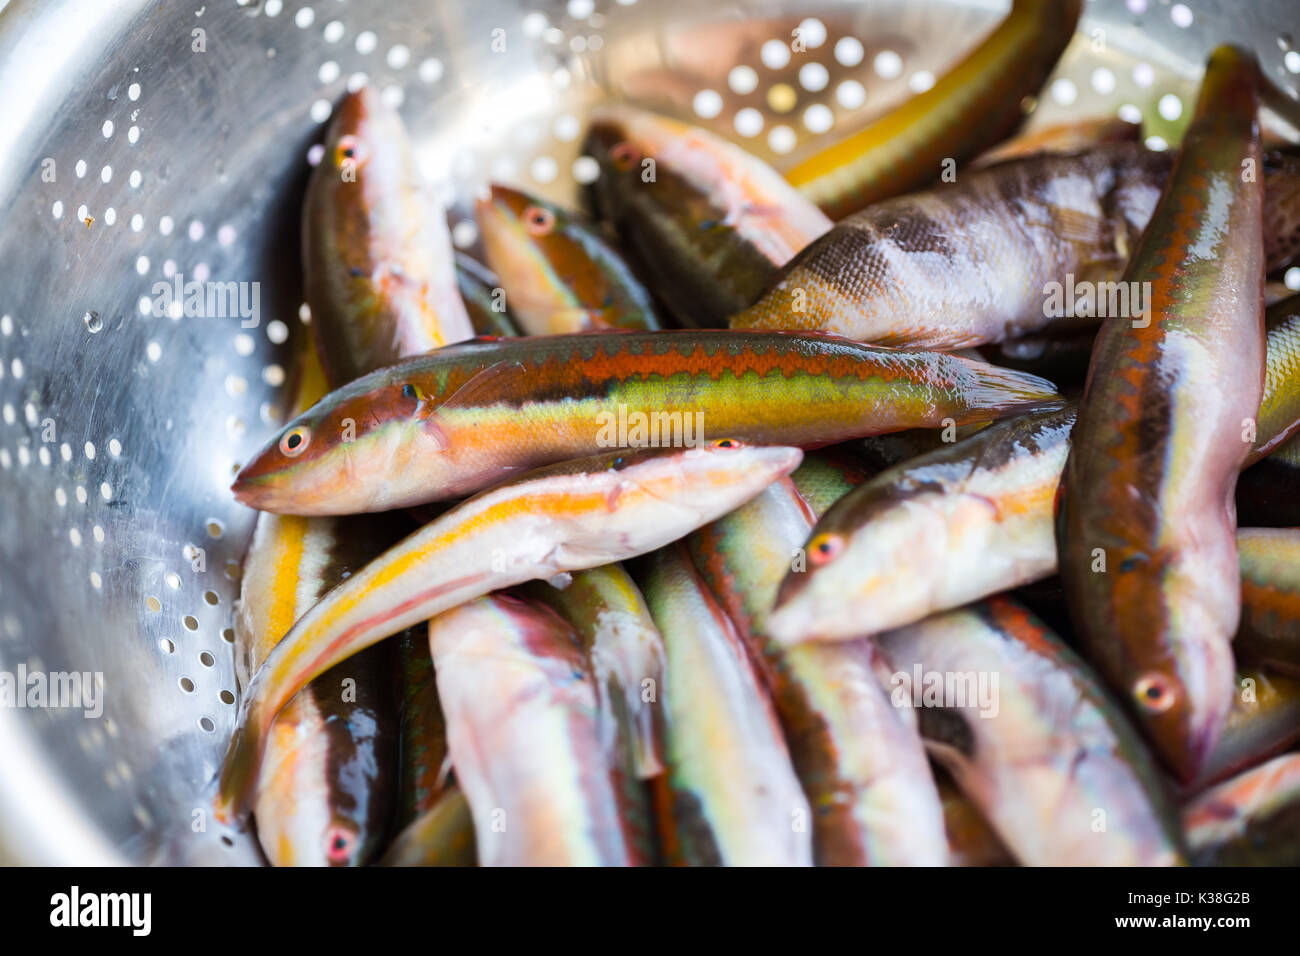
712	530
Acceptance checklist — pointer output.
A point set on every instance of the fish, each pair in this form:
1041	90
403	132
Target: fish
608	613
564	517
1278	420
861	763
485	299
1269	633
826	476
971	841
1070	137
1027	246
1264	720
325	794
1030	737
1250	820
558	271
377	260
980	508
706	223
729	795
441	836
970	108
1147	489
452	422
933	533
522	728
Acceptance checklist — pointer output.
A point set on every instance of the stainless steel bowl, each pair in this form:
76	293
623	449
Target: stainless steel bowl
144	140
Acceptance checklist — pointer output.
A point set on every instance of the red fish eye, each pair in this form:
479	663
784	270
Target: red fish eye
824	547
538	221
728	443
338	844
295	441
623	156
1154	693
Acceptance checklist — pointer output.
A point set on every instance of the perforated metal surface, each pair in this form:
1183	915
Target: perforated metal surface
119	431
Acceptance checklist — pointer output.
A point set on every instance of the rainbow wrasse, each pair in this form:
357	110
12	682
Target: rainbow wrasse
1032	244
1250	820
729	795
1148	484
485	299
522	728
452	422
561	518
558	271
707	223
376	251
861	763
970	108
971	841
1031	738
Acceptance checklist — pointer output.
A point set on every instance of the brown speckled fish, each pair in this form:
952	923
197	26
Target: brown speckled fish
1146	523
376	251
1030	244
1032	739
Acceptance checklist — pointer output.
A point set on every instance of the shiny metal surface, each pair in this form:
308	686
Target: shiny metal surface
183	132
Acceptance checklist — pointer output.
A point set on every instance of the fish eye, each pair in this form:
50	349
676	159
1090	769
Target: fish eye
623	156
728	443
412	391
1154	693
338	844
824	547
348	150
538	221
295	441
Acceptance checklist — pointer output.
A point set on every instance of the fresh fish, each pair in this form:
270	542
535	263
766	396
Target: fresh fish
1269	633
939	530
971	107
1250	820
971	841
707	223
861	763
559	274
1071	137
824	477
1264	720
1148	486
325	793
376	251
456	420
324	796
1028	245
565	517
1031	739
441	836
729	795
979	508
608	613
523	730
485	299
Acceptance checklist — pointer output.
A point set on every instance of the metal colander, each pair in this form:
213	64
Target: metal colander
144	140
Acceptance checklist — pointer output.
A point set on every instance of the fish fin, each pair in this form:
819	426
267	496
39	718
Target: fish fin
1074	225
487	386
560	581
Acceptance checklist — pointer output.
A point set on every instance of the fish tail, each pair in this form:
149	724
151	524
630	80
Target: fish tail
1005	390
239	771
